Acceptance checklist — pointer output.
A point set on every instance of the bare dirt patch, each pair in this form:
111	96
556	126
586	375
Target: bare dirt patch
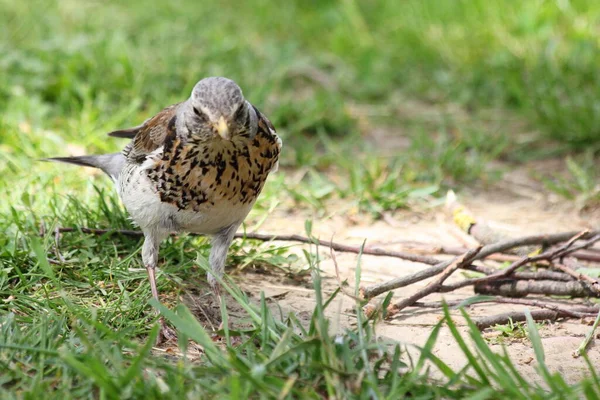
511	210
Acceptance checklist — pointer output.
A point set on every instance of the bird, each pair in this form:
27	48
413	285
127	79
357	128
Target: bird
197	166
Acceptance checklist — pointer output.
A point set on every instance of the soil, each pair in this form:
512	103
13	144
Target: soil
516	205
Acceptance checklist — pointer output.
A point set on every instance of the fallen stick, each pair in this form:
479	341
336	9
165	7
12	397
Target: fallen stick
434	286
429	249
523	275
465	220
546	240
512	288
546	256
426	249
568	267
578	311
594	238
587	255
373	251
465	259
519	316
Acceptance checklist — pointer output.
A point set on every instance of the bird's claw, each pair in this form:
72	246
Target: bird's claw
165	334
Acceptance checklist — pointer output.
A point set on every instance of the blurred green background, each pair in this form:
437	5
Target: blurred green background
382	105
505	80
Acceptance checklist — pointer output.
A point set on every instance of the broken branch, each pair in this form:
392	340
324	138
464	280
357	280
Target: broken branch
568	268
373	251
511	288
546	256
519	316
579	311
546	240
434	286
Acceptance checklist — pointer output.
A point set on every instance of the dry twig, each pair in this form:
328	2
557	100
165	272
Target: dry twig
434	286
523	275
432	249
479	230
512	288
579	311
373	251
519	316
546	240
547	256
568	268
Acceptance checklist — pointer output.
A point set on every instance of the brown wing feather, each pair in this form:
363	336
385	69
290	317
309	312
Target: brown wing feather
266	131
150	135
128	133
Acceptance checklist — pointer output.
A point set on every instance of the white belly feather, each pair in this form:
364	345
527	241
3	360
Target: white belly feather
147	210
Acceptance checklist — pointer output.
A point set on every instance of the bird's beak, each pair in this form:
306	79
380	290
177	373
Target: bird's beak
223	129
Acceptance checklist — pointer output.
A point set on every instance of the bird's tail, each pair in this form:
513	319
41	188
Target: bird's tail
111	164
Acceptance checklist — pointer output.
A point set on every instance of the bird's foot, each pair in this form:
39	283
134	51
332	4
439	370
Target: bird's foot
217	293
166	333
216	289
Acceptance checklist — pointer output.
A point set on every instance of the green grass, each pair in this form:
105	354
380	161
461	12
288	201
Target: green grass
580	182
68	352
512	331
74	71
303	62
457	88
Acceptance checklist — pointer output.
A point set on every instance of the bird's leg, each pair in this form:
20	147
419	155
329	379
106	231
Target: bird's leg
216	289
218	254
152	278
150	259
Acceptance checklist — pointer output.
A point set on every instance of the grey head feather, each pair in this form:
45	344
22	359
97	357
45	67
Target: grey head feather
215	101
216	97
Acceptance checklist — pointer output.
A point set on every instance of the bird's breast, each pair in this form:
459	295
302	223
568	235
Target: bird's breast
211	185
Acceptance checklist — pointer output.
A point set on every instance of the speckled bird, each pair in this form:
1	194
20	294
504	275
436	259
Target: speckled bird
196	166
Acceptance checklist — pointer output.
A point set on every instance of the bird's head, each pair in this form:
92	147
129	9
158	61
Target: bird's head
217	110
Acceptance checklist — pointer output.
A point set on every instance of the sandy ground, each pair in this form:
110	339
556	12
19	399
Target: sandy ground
519	208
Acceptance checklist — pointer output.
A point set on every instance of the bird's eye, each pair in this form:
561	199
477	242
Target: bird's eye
240	113
200	114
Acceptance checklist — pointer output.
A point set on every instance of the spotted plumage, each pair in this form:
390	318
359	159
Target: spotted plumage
196	166
194	176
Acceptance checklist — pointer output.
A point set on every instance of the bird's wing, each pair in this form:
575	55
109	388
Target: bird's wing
129	133
149	136
268	140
